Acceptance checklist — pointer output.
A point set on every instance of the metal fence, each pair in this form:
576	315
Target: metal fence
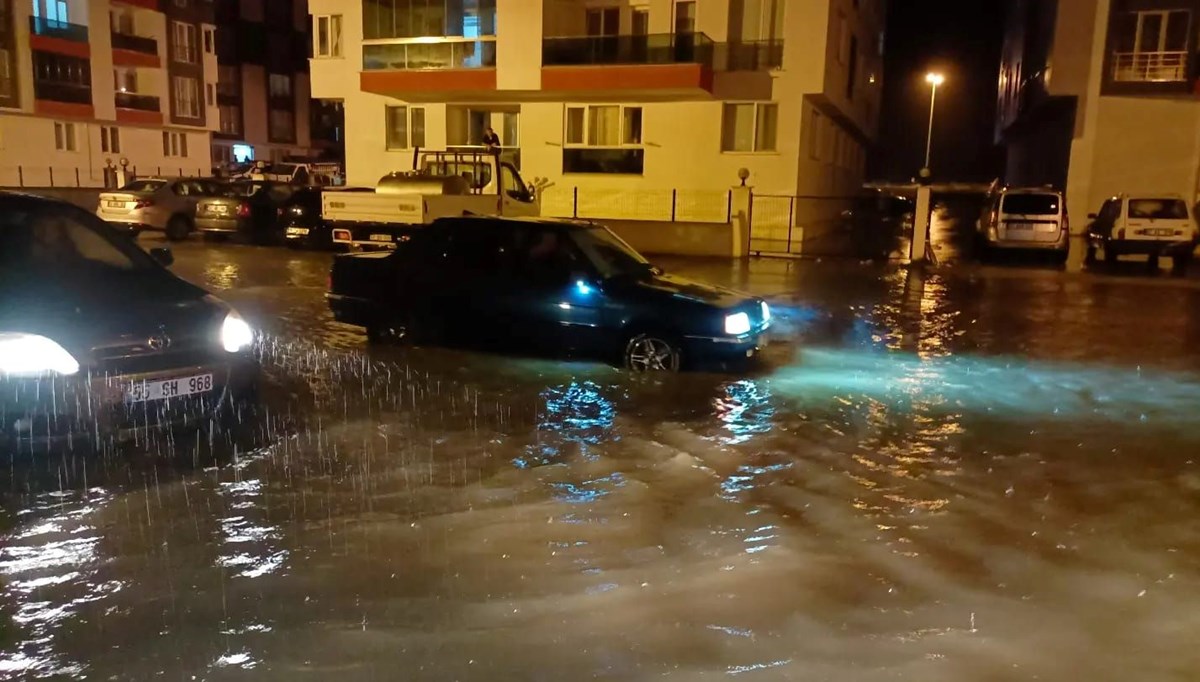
85	176
665	205
853	226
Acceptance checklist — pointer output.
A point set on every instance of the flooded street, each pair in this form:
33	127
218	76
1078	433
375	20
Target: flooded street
979	472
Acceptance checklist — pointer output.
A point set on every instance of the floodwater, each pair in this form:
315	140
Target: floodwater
976	473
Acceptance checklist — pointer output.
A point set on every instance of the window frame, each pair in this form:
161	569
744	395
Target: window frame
65	137
333	38
178	100
185	48
110	139
755	122
585	126
407	142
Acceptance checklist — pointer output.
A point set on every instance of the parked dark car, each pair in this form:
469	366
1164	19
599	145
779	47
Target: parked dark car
301	222
246	209
98	338
542	284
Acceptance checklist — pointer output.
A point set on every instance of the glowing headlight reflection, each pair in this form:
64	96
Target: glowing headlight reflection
30	354
737	324
236	335
766	312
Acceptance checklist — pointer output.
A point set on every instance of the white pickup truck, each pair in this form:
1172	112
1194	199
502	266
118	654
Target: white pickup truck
445	184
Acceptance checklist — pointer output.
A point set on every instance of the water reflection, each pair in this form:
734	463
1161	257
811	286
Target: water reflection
745	408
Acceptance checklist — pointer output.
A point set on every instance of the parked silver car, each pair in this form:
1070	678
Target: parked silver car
159	204
1033	219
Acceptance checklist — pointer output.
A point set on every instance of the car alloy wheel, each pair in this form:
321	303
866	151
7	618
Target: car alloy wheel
647	353
178	228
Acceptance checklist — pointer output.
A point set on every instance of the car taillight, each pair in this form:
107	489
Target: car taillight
143	203
1066	223
341	235
243	210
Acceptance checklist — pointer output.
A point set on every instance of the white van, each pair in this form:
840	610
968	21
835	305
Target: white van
1153	225
1033	219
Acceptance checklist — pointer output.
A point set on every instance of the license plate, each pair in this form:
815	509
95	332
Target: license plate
221	210
161	389
1021	227
298	231
381	237
115	204
1160	232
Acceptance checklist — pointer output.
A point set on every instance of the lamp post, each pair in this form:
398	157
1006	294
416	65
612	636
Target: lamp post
934	79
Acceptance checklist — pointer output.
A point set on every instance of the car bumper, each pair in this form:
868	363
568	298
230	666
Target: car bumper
129	223
95	408
221	225
351	309
1062	243
1148	247
725	348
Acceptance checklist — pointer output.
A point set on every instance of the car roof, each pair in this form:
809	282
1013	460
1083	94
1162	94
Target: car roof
26	200
520	220
1031	190
1151	196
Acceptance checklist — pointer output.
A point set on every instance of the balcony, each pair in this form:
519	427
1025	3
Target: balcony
667	65
429	67
1150	67
59	37
756	55
124	41
58	91
130	100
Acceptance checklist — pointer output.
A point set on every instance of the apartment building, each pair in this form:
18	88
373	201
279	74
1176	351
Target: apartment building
263	86
86	83
647	95
1102	97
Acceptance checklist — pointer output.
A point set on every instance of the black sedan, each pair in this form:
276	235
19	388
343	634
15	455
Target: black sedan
249	210
546	284
98	339
301	222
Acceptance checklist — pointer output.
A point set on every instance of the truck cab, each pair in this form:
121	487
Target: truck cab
443	184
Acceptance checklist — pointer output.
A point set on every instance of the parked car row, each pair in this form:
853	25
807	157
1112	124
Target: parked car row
259	211
1035	219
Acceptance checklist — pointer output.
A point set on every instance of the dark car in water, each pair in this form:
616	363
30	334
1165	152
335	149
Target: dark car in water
301	222
547	285
98	338
247	209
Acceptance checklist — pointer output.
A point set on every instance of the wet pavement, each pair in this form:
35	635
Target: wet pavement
970	473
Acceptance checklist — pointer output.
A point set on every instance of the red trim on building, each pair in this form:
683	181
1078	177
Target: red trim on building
131	58
627	77
148	4
63	109
139	117
393	82
60	46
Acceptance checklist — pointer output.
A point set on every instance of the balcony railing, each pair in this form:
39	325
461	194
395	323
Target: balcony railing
751	55
129	100
58	91
52	28
1149	67
658	48
429	54
124	41
510	154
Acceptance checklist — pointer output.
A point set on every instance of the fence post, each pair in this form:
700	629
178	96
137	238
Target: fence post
77	177
575	202
673	197
729	206
791	214
21	176
51	175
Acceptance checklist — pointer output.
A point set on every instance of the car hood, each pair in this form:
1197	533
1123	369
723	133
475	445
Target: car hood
678	287
86	314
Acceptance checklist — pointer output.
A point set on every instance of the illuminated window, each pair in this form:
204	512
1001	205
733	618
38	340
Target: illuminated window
749	127
401	121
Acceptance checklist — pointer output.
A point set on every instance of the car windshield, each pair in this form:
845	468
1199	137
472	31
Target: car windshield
1031	204
611	256
55	240
144	185
1158	209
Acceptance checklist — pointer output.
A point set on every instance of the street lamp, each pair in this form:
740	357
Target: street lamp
934	79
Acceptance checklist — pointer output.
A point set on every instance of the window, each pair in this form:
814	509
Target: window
281	125
685	16
79	250
229	80
185	42
64	136
110	139
186	96
749	127
1158	209
125	79
209	41
174	144
327	35
604	125
210	92
603	21
1030	204
1151	46
280	85
641	22
400	120
7	83
231	119
418	18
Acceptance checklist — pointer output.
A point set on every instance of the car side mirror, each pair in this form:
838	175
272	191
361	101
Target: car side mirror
1092	216
163	255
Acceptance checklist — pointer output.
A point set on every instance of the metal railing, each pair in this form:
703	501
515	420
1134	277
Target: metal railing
125	41
57	91
94	177
656	205
130	100
657	48
1150	67
52	28
423	54
750	55
507	154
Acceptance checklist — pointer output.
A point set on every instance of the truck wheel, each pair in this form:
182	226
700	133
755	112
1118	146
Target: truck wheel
1152	262
1179	265
651	353
178	228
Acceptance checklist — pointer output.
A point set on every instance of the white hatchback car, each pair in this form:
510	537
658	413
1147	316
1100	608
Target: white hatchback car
1153	225
1026	219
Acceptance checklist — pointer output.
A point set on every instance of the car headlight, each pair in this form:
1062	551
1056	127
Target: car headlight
766	312
236	335
737	324
30	355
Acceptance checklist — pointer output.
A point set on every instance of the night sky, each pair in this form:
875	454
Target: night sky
962	39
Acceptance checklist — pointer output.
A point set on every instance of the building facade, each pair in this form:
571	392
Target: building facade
1101	97
87	83
648	95
262	86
